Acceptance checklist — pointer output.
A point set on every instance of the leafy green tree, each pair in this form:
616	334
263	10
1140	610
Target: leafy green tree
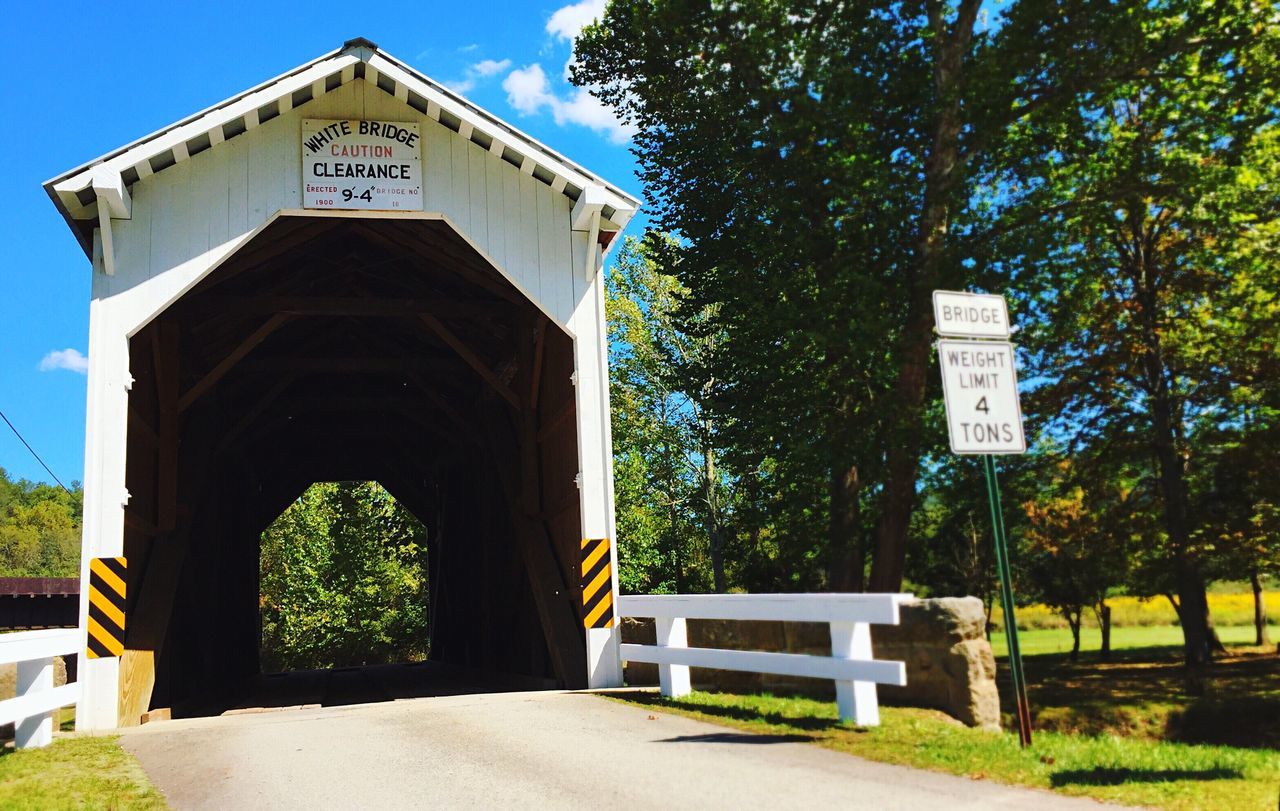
343	580
954	552
826	166
672	494
1075	554
39	529
1153	200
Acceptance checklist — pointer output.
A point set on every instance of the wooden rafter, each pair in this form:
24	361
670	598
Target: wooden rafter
473	360
274	244
228	363
536	370
167	360
255	411
351	365
452	414
344	305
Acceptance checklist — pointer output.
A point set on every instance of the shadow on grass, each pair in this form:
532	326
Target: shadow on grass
738	737
1101	776
655	700
1242	721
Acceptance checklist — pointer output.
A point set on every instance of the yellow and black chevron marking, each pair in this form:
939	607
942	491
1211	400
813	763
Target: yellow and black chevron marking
106	607
597	584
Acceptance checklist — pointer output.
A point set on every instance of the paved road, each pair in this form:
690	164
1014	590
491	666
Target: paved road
525	750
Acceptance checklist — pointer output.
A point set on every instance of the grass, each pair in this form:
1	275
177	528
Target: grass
1144	691
1039	641
1159	774
75	772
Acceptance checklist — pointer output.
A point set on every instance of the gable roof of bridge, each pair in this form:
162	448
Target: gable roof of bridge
76	192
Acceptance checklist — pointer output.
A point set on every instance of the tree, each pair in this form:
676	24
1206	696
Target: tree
671	487
1075	554
343	580
955	551
827	165
39	529
1150	193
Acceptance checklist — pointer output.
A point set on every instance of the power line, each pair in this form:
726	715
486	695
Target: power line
33	453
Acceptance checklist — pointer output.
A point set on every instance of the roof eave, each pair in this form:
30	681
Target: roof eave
68	190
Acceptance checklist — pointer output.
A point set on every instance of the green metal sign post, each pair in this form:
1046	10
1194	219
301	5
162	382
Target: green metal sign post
1006	602
984	418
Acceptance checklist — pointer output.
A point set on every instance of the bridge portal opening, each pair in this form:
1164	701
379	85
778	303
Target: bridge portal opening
334	349
343	581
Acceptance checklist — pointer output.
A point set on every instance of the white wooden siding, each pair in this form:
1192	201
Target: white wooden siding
194	214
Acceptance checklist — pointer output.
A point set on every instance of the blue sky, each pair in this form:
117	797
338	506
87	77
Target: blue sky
88	77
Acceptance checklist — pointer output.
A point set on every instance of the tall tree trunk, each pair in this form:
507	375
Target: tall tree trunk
1073	619
942	176
1261	635
711	502
1104	625
845	562
1193	601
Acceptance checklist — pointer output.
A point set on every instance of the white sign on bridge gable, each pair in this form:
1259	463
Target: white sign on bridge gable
366	165
981	390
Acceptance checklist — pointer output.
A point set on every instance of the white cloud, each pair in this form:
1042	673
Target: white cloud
566	22
69	359
489	67
474	73
529	92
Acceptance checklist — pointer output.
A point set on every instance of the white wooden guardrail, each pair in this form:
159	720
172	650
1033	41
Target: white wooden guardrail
850	665
31	712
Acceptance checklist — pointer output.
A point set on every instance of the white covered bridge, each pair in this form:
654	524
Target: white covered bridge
351	273
347	272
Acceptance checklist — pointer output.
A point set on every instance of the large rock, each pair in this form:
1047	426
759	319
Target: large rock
950	666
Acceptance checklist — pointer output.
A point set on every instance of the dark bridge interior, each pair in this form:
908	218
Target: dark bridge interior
349	349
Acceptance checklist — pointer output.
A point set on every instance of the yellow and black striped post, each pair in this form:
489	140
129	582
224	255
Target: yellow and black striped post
597	584
106	607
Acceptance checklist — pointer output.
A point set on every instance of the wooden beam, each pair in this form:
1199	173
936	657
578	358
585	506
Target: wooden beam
459	264
536	371
139	524
552	598
139	425
167	360
264	402
365	307
350	365
473	360
218	372
273	244
550	426
452	414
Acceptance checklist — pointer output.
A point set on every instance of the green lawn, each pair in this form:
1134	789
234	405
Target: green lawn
1145	692
75	772
1058	640
1111	768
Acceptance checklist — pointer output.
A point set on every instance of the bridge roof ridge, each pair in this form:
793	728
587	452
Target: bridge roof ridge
73	192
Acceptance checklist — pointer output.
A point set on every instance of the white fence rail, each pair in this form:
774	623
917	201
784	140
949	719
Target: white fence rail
850	665
31	711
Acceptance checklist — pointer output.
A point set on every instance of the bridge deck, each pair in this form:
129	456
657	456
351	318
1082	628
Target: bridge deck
525	750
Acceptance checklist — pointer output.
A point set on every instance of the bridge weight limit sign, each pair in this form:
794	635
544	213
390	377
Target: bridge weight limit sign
984	417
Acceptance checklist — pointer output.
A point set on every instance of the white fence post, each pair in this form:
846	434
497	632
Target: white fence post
849	616
35	675
673	679
32	710
856	700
